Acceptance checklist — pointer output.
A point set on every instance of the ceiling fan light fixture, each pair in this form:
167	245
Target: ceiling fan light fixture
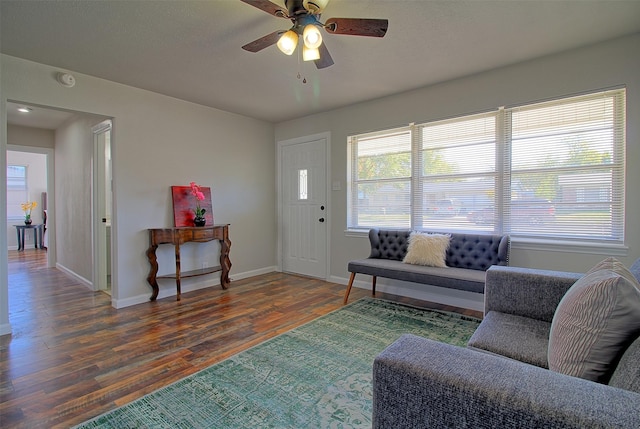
311	36
315	6
288	42
310	54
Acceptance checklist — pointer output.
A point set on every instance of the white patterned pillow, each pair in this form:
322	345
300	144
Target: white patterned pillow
427	249
596	319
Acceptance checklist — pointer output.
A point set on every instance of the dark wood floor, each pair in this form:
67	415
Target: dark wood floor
72	356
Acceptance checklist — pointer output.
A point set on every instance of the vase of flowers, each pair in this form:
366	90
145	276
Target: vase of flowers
199	220
26	208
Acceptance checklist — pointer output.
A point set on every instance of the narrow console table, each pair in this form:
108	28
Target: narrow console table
37	235
179	236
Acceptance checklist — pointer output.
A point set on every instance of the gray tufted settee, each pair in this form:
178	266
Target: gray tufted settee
467	259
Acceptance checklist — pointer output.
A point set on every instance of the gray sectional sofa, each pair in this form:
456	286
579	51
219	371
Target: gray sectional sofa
501	379
467	259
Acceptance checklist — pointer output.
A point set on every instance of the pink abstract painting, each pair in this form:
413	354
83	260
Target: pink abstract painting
184	204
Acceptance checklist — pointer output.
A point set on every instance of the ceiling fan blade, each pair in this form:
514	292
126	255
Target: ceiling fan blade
269	7
357	26
325	58
263	42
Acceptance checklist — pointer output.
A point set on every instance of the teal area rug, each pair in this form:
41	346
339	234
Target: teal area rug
315	376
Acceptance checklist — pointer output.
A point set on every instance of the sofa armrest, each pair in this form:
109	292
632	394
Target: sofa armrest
420	383
526	292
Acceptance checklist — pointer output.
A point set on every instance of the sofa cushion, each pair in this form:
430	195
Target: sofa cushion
635	269
515	337
595	321
627	373
427	249
452	278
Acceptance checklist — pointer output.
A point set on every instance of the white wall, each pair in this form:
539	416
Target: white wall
604	65
159	141
36	184
73	192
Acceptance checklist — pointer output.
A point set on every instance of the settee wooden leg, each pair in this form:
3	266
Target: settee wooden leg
373	286
346	294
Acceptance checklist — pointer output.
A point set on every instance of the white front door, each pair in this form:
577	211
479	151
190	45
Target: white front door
303	206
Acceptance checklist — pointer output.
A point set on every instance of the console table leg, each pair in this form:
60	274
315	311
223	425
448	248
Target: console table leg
151	278
178	289
225	262
20	243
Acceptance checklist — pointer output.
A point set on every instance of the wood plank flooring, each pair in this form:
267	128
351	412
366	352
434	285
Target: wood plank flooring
72	356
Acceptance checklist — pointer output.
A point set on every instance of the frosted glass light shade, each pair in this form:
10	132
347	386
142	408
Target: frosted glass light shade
311	36
309	54
288	42
315	6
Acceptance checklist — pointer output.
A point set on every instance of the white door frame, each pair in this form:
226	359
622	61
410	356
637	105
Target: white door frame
299	140
99	273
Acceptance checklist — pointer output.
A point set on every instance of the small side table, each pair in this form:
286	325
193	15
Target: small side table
37	236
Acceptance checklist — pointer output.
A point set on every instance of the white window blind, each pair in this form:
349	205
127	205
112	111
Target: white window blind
380	179
457	174
567	168
548	170
16	190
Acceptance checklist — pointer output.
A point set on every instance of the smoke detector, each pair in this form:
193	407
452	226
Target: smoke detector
66	79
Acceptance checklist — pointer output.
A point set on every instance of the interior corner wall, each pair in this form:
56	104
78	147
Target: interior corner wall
73	156
159	141
604	65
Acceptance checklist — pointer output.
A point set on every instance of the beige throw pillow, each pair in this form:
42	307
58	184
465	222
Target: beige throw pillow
595	321
427	249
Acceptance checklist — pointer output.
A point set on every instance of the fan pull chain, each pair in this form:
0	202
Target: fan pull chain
304	79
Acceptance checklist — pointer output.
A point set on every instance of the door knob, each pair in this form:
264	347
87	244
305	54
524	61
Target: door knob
321	219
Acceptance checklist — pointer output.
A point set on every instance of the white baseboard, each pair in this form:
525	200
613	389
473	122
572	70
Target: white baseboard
168	286
76	276
5	329
440	295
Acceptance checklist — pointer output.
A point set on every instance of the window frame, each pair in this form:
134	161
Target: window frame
502	172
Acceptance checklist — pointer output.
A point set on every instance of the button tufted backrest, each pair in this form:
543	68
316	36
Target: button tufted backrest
389	244
471	251
476	251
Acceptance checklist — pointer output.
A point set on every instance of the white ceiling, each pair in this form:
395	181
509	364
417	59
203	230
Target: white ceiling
39	117
192	49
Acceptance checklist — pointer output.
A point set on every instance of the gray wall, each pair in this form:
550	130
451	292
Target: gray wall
600	66
28	136
158	142
73	156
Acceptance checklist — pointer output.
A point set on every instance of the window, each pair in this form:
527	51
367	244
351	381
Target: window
302	184
16	190
545	170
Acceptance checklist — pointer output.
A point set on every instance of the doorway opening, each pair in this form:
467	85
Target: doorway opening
68	139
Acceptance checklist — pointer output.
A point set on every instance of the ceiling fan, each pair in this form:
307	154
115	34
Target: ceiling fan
305	16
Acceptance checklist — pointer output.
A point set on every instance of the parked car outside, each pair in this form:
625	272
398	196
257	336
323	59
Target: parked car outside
527	211
445	208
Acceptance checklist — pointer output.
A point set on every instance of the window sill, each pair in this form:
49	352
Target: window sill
569	246
356	233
